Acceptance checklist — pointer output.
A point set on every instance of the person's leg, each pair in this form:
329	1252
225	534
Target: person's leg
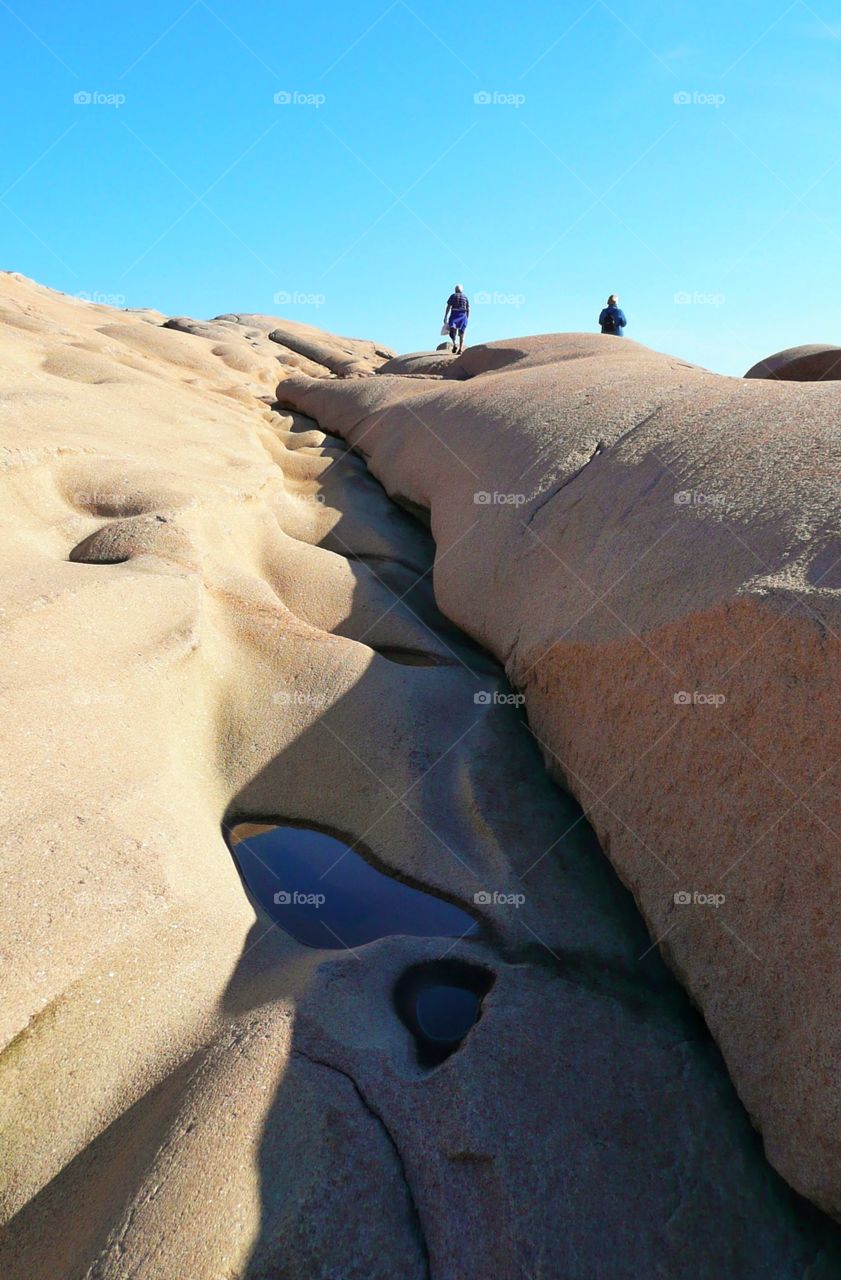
453	332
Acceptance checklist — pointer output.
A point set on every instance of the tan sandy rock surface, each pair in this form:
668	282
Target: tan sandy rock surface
211	613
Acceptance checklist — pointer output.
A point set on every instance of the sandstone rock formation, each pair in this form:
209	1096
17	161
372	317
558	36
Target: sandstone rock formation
211	612
817	363
427	363
654	552
248	341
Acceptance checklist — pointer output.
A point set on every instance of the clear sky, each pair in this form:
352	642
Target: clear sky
684	155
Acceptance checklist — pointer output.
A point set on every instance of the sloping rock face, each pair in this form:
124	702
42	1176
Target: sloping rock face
422	363
240	340
212	613
654	552
817	363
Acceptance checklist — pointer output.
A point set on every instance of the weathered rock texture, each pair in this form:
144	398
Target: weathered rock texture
654	552
248	342
816	363
211	611
425	363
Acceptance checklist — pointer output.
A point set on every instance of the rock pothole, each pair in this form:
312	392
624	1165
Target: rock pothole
325	894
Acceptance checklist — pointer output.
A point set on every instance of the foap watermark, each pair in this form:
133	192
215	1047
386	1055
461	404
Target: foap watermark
493	898
694	498
101	299
683	898
283	298
98	698
126	503
697	699
295	98
684	298
494	698
283	898
486	98
496	299
297	698
84	98
483	499
694	98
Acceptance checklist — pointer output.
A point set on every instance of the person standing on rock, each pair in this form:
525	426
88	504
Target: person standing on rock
456	315
612	318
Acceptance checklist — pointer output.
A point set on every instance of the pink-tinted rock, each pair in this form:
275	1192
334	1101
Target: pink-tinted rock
420	363
817	363
653	552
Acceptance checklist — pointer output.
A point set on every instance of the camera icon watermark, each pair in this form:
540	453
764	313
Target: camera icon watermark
101	299
683	98
101	503
484	499
486	98
698	699
283	298
683	898
296	698
493	898
294	98
683	298
494	698
693	498
484	299
84	98
283	898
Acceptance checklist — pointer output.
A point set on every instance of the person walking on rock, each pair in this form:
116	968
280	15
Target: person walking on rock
612	318
456	315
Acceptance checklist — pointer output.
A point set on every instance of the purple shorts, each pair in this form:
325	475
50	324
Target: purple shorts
458	321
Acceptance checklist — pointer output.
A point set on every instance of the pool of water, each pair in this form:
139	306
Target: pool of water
323	893
440	1001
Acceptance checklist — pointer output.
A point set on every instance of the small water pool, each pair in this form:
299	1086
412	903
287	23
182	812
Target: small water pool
440	1001
323	893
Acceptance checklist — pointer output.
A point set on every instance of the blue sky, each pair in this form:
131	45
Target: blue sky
686	156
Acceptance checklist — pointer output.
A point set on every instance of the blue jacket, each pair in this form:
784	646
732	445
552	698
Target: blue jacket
612	320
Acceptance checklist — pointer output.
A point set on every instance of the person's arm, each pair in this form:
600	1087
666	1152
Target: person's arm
620	319
467	307
602	315
447	309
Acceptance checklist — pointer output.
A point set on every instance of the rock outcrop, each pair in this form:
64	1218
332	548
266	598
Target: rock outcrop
817	363
654	552
246	342
211	612
421	363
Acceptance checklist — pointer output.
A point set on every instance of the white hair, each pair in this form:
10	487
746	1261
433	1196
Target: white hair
459	289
